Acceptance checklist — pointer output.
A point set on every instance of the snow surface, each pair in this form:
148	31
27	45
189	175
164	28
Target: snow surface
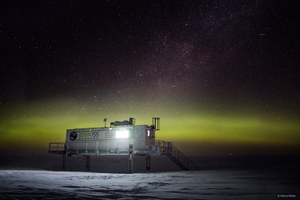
215	184
240	177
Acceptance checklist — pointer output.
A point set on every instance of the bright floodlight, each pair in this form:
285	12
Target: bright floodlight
122	134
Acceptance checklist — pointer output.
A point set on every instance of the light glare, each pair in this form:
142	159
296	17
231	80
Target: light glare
122	134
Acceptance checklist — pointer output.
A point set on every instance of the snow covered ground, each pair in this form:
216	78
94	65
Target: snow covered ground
226	184
263	182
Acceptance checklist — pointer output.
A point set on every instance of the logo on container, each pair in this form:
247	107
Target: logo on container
73	136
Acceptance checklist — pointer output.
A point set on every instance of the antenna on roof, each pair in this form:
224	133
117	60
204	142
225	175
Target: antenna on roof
105	119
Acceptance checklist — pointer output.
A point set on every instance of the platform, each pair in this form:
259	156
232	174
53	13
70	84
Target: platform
160	148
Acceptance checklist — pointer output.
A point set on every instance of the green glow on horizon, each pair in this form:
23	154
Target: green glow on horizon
34	126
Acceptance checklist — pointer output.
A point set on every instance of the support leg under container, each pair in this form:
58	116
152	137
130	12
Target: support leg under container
130	159
147	163
87	164
64	163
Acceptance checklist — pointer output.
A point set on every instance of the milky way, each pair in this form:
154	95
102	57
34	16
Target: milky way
221	75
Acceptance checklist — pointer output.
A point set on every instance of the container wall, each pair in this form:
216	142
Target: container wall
106	140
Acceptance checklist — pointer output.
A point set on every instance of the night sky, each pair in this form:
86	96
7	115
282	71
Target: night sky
223	76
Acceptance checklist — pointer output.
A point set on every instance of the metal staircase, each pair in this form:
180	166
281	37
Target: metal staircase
167	148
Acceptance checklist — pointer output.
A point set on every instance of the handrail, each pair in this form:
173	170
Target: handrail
56	147
169	149
184	159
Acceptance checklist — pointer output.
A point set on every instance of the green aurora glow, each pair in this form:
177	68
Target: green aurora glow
30	128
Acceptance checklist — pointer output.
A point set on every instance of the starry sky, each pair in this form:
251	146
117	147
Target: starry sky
223	76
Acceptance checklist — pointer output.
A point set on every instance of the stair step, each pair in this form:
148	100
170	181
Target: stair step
176	156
